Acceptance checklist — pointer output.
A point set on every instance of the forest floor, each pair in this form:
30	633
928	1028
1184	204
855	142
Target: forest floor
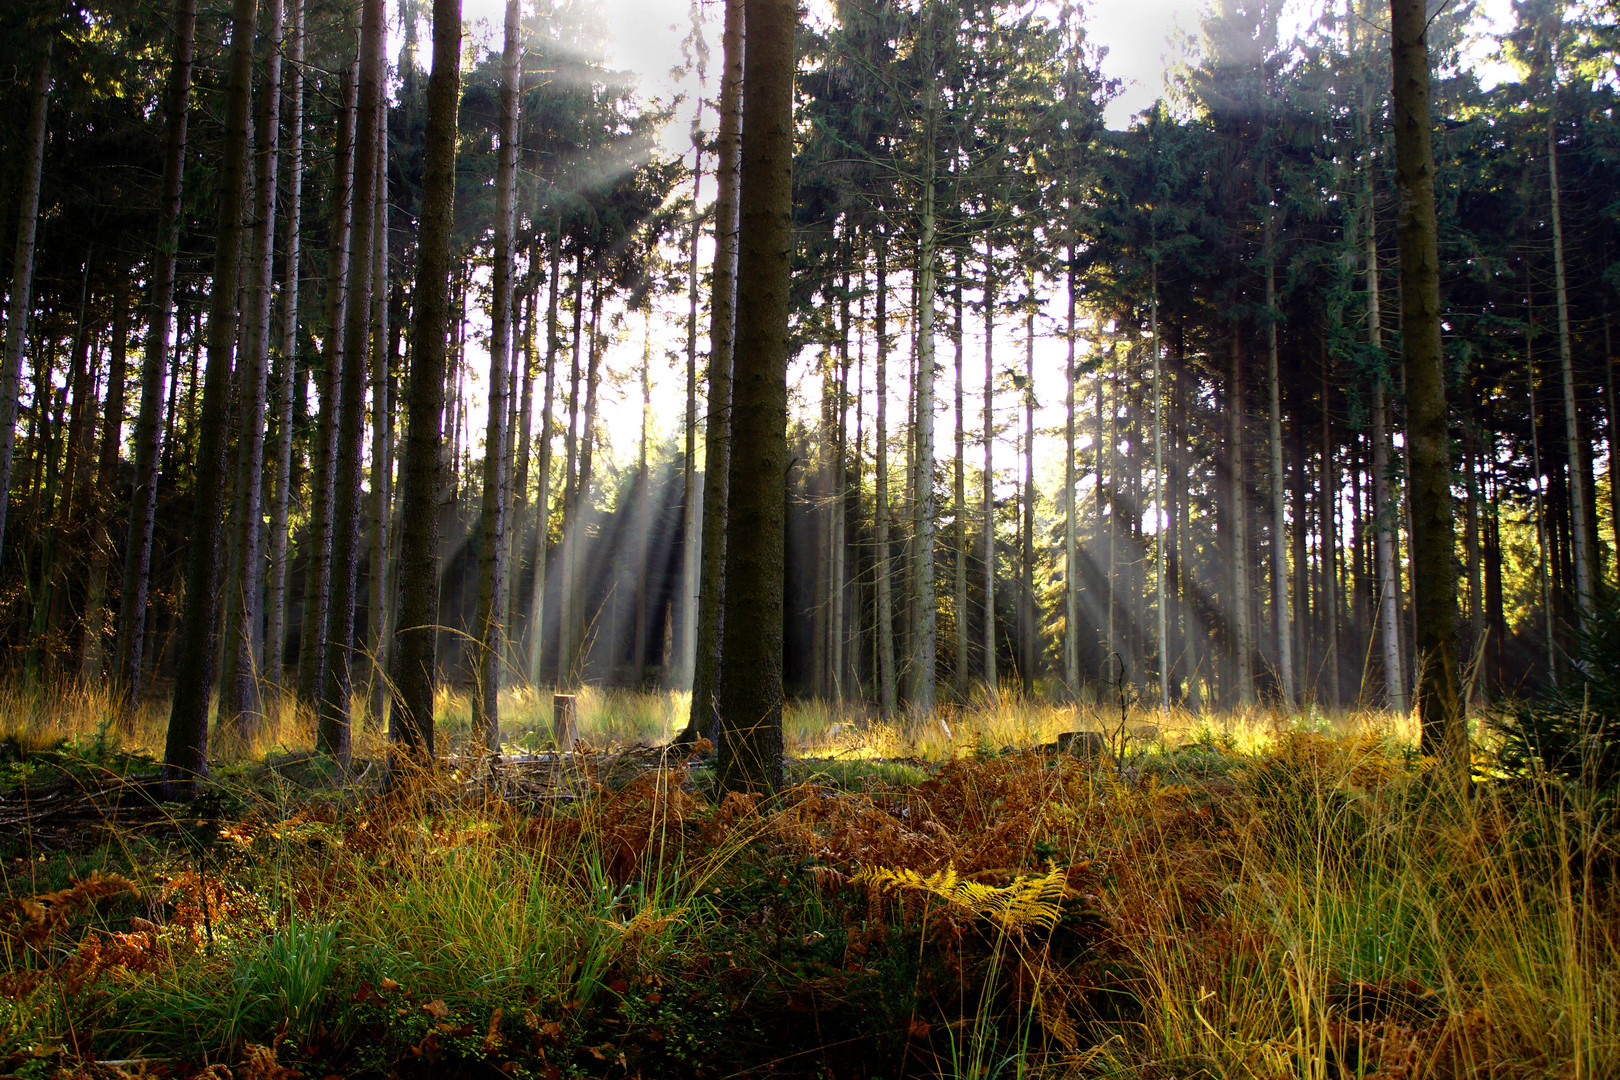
1215	896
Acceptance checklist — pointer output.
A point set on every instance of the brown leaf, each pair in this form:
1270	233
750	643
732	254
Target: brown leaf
437	1009
919	1029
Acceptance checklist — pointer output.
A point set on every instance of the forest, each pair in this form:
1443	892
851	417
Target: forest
503	568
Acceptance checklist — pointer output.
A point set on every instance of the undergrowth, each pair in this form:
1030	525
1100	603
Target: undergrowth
1224	900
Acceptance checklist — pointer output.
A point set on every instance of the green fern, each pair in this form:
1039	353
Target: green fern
1026	901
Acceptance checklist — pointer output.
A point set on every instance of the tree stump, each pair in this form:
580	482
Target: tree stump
564	721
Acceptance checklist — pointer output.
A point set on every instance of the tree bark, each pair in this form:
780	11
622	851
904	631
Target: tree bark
988	478
411	718
286	375
882	568
1279	519
334	734
1585	564
154	367
492	553
241	707
22	274
312	650
751	672
1434	579
717	429
924	604
185	756
1243	643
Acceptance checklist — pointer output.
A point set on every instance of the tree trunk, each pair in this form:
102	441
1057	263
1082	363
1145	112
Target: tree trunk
312	650
959	495
1328	488
691	508
1434	579
22	271
722	335
1279	519
1585	564
154	367
382	436
334	734
988	479
95	620
542	502
924	604
1243	650
1029	625
882	568
492	552
286	376
241	708
411	718
185	757
751	673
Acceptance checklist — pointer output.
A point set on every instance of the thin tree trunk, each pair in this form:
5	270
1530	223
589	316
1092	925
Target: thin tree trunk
1279	520
722	335
1029	623
317	582
883	570
691	507
95	620
1585	564
959	494
1163	642
411	718
988	479
22	274
286	376
492	553
542	502
185	757
154	367
1071	565
1243	656
1328	486
241	707
382	437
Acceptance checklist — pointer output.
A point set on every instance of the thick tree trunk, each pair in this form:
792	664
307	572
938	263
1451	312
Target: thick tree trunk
411	718
185	756
1434	578
492	552
751	673
241	707
22	273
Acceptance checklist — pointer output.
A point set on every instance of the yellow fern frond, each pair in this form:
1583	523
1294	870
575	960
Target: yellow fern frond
1026	901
